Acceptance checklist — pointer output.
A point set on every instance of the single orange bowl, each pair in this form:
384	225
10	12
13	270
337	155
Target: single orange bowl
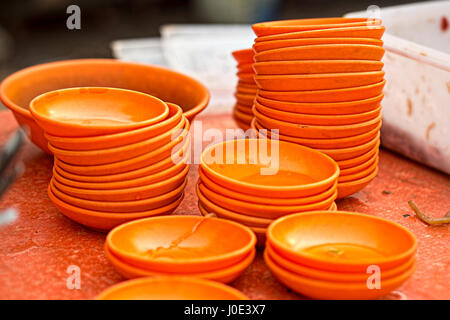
341	241
359	174
316	66
103	156
326	120
243	109
286	26
245	68
247	90
351	163
139	162
122	206
360	167
229	193
345	95
224	275
170	288
348	188
182	244
323	52
241	116
352	152
90	111
18	89
173	120
327	290
345	142
246	77
290	171
104	221
330	276
323	108
126	194
315	131
262	210
372	32
245	99
322	81
243	56
278	44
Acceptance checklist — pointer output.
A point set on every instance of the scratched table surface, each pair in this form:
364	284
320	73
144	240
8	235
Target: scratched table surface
37	249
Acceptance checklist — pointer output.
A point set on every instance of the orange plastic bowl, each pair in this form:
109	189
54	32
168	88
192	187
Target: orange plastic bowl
330	276
359	174
352	152
316	66
90	111
110	155
322	81
246	77
245	68
320	143
327	96
278	44
372	32
104	221
182	244
126	194
173	120
243	56
359	167
229	193
297	171
315	131
341	241
150	173
139	162
348	188
247	90
323	52
343	109
170	288
18	89
224	275
245	99
328	290
159	175
263	210
122	206
243	109
287	26
319	119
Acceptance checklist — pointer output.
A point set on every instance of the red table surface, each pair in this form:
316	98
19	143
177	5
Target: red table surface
37	249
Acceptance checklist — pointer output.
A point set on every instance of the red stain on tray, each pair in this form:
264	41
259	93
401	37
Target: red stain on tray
444	24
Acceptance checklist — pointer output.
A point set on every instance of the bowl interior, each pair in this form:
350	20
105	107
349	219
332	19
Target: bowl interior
99	106
268	162
179	238
342	237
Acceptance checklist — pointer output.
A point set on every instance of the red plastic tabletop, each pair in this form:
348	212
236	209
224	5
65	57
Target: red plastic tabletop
39	247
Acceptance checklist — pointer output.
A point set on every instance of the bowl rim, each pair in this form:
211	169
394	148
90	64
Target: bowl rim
143	280
319	76
177	262
327	181
279	245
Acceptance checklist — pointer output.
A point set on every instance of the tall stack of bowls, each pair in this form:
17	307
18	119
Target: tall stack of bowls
344	255
119	154
245	88
320	84
18	89
190	246
242	180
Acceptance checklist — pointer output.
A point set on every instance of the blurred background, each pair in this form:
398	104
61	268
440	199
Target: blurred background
34	31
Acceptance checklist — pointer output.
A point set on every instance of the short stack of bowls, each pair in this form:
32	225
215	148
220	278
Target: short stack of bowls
119	155
344	255
192	246
255	181
245	89
320	84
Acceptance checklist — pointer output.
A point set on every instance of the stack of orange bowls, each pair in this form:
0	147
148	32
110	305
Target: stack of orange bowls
343	255
245	89
120	155
242	182
190	246
320	84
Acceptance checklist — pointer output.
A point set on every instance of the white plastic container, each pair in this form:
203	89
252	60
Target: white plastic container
416	107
